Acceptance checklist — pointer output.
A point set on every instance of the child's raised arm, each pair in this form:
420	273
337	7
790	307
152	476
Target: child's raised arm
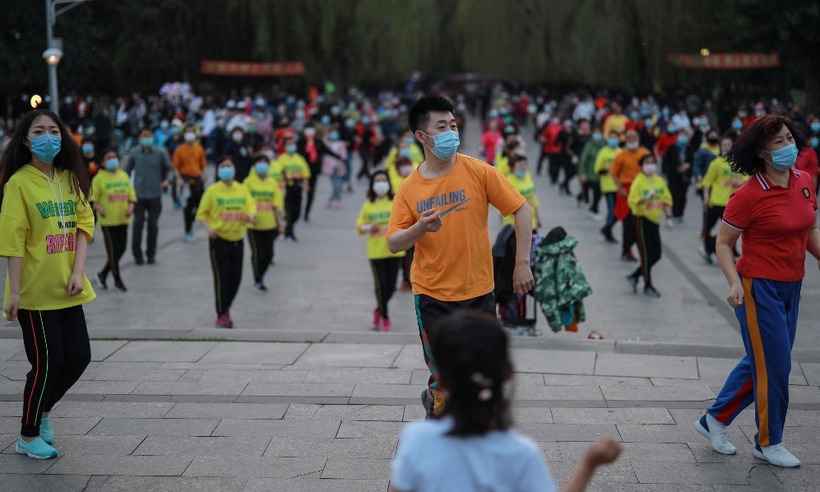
602	452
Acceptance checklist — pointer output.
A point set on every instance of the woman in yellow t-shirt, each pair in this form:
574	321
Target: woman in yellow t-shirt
270	218
114	198
521	179
228	209
46	223
373	220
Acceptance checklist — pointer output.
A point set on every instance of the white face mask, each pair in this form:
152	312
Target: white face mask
190	137
632	145
650	169
380	188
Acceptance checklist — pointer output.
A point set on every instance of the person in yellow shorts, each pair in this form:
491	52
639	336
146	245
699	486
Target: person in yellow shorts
372	222
46	223
114	199
270	218
522	181
227	209
649	200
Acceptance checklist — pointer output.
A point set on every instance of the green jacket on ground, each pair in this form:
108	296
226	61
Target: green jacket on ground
560	283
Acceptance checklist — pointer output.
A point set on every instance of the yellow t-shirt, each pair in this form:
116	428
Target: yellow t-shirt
275	173
615	123
603	162
222	207
294	167
396	180
647	197
454	263
114	192
39	219
377	213
268	197
526	187
502	163
721	181
416	157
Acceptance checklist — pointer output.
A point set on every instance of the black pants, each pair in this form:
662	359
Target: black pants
315	171
649	245
678	188
555	166
407	264
596	196
226	264
293	206
628	229
261	251
711	216
385	273
365	155
428	312
196	186
116	239
58	349
569	172
153	207
541	158
583	193
610	198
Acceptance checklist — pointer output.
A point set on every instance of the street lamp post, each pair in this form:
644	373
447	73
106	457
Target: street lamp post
54	46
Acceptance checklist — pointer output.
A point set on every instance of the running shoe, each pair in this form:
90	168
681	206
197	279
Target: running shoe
37	448
101	278
377	320
651	292
776	455
386	324
189	238
629	258
120	285
707	257
633	282
716	433
260	286
222	321
46	429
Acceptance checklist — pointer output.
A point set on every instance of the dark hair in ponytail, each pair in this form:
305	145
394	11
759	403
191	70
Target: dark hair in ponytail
472	355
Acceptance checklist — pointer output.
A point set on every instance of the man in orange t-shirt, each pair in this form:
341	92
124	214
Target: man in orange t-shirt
189	162
441	210
625	167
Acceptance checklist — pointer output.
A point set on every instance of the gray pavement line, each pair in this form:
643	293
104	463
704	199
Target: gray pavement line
714	300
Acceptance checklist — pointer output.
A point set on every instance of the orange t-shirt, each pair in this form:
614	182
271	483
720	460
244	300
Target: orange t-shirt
626	165
189	160
454	263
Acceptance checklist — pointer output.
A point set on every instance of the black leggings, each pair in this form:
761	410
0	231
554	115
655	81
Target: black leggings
116	239
261	251
196	186
712	215
293	206
58	349
311	192
226	264
385	273
628	230
678	188
649	245
596	196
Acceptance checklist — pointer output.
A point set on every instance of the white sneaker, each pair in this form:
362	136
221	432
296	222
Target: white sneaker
716	433
777	455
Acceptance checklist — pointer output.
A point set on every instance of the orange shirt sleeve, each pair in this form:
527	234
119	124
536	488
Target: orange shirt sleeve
401	217
201	156
176	160
500	193
617	166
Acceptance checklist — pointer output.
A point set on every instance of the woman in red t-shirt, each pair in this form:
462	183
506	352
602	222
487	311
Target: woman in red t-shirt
774	213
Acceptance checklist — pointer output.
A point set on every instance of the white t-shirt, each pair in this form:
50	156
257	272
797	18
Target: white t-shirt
429	460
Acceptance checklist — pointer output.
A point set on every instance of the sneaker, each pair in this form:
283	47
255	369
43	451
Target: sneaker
629	258
261	286
189	238
139	261
377	320
230	320
222	321
633	282
46	430
101	278
152	261
776	455
120	285
707	257
716	433
37	448
386	324
651	292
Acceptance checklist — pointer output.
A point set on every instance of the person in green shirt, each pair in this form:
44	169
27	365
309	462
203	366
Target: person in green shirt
590	181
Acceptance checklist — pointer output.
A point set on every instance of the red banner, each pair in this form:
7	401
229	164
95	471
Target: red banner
726	61
252	69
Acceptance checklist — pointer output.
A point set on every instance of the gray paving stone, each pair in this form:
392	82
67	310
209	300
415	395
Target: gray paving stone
110	409
129	371
804	394
63	426
704	453
687	416
803	418
611	416
602	486
228	410
556	361
804	479
245	352
357	469
298	428
102	349
393	413
671	433
619	472
111	426
410	357
11	409
714	371
145	351
255	376
576	380
367	430
312	485
42	483
567	432
202	446
682	391
248	466
120	465
356	376
313	390
12	387
646	366
387	393
16	463
812	372
414	412
103	387
638	452
802	441
555	393
171	484
181	388
348	355
93	445
375	447
688	473
537	415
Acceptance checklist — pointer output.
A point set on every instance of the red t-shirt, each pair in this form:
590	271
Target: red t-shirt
490	141
775	223
807	161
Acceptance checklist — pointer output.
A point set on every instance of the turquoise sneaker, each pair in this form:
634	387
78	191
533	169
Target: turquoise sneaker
37	448
46	430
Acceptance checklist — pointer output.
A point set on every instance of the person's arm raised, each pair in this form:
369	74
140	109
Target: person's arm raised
404	239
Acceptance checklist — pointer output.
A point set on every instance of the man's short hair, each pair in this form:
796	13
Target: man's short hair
420	112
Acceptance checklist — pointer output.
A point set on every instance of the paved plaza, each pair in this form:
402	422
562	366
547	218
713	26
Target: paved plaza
303	397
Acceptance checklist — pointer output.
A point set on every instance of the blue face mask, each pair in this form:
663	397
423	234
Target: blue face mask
683	140
521	174
445	144
784	157
146	141
597	137
45	147
88	148
334	136
737	124
290	149
815	126
112	164
814	142
226	173
612	142
262	168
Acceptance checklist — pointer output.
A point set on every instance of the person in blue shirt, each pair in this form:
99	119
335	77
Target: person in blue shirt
473	447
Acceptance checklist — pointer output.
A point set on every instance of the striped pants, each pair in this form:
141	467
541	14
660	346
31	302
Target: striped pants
768	323
58	349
